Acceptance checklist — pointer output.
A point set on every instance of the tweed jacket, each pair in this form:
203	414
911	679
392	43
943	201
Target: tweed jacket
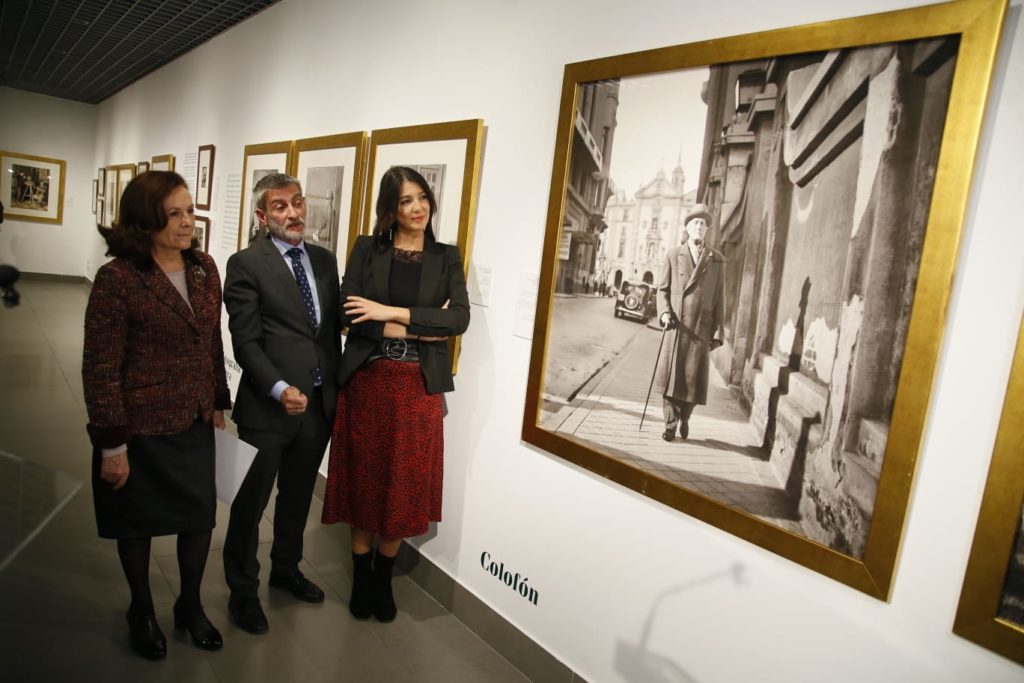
442	279
271	334
149	364
694	293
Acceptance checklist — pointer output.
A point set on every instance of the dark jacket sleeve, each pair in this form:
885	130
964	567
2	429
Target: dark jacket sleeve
665	283
245	321
357	274
103	354
221	394
452	320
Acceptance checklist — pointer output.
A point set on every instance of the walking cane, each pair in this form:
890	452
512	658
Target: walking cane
664	329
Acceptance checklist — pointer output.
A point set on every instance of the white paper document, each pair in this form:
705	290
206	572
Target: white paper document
480	284
234	457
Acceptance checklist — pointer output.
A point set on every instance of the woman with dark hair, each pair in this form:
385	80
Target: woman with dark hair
403	294
155	387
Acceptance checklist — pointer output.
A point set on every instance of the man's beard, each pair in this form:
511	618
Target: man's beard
281	231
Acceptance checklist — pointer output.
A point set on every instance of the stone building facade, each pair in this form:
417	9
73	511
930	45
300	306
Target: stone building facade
819	170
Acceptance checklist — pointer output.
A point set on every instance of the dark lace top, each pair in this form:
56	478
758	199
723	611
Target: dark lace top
404	283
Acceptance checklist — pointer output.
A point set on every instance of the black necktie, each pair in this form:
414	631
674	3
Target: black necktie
307	295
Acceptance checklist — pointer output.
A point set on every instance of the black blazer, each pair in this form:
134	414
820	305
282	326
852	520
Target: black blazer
271	333
442	279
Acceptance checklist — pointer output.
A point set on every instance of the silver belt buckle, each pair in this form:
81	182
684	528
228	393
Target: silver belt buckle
395	349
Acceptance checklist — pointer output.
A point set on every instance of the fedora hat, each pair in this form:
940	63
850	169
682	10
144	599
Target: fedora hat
698	211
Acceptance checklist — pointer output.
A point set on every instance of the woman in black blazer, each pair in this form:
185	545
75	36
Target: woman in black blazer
404	294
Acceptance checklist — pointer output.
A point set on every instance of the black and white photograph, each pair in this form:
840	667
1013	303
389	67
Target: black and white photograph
732	277
202	233
142	166
322	187
204	177
110	196
434	175
332	169
259	160
32	188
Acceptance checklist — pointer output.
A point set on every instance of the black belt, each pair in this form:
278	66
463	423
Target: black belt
396	349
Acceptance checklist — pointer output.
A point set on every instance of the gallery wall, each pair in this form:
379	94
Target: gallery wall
58	129
626	586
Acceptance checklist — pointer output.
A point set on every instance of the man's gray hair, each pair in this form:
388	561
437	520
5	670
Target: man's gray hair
274	181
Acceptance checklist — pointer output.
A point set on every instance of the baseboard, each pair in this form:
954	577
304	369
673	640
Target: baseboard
524	653
55	277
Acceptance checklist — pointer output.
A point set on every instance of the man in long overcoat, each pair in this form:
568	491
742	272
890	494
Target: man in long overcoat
690	297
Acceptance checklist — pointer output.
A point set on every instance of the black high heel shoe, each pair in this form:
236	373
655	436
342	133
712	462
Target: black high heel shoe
205	635
147	638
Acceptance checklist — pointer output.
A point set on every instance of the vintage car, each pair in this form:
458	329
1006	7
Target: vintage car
635	300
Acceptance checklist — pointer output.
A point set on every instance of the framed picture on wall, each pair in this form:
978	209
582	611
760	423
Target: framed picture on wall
203	232
32	187
204	177
101	181
142	166
749	249
95	196
332	170
991	610
100	217
447	155
260	160
110	198
124	174
164	162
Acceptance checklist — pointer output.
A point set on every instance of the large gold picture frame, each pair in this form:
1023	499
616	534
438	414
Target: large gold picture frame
32	187
448	156
259	160
991	610
788	114
332	170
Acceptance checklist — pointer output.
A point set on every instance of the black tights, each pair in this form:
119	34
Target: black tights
193	549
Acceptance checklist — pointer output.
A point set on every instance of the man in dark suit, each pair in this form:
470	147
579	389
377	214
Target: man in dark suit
282	298
690	300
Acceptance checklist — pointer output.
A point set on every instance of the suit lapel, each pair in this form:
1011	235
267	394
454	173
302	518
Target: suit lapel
286	280
162	289
699	269
430	275
380	264
321	276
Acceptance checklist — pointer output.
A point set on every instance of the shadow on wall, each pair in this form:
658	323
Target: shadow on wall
638	663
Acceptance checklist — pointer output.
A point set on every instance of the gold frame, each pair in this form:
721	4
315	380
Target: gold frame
286	147
470	130
978	23
117	186
977	617
360	142
169	158
11	212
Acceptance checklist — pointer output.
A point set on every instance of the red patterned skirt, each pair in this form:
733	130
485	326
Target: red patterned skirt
387	453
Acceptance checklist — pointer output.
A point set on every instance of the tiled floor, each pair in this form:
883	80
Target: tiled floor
63	597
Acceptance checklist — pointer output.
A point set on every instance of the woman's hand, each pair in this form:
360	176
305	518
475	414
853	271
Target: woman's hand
368	309
114	470
218	419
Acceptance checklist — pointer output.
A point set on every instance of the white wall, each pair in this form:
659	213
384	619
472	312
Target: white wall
606	561
59	129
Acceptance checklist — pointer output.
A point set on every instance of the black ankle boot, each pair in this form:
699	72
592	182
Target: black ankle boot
205	635
361	602
147	638
383	599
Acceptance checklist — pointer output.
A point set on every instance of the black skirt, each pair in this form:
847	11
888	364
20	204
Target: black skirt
170	488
